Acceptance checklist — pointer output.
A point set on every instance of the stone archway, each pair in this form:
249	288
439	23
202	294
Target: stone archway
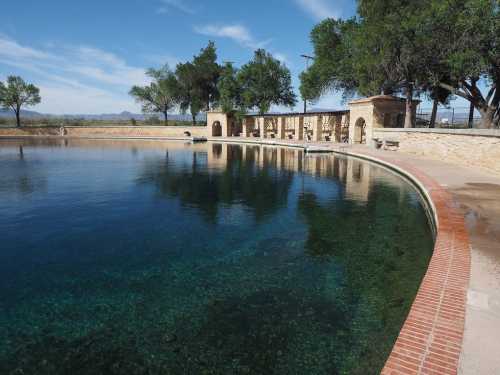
360	131
216	129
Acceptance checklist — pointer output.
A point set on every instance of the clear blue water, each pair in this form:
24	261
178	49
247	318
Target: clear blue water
169	258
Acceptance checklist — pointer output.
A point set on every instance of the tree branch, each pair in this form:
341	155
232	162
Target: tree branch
455	91
491	92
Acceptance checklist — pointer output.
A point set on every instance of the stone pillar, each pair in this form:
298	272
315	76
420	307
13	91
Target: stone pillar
260	126
281	128
317	128
225	128
299	131
244	132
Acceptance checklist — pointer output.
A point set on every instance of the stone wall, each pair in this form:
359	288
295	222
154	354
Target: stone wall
44	131
473	148
109	131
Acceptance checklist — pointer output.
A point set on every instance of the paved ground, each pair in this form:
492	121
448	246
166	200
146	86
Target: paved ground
477	196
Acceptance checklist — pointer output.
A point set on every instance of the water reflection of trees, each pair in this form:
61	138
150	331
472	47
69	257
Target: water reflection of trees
383	251
239	180
20	174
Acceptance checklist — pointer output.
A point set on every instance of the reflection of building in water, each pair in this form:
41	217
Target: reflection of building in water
357	175
358	179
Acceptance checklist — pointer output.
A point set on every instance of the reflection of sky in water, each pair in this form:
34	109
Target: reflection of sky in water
113	252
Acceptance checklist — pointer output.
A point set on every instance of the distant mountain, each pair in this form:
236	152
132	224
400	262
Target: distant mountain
101	117
24	113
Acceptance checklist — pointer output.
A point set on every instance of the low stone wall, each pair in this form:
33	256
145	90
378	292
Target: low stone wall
109	131
472	148
14	132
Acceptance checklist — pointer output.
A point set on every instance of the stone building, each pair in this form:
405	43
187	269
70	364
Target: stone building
355	125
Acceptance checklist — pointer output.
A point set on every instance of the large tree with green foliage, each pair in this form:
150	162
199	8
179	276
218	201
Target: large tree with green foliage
189	93
334	67
466	42
230	92
379	52
392	33
160	96
16	93
207	75
265	81
410	47
197	79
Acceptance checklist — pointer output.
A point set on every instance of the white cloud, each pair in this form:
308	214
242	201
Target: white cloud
79	79
282	57
160	59
238	33
179	5
319	9
62	99
9	48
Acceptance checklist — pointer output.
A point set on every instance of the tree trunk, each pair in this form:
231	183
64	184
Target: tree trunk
166	118
194	119
487	118
409	120
471	116
18	118
432	124
488	109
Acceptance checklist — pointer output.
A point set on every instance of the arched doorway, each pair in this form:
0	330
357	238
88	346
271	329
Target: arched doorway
360	131
216	129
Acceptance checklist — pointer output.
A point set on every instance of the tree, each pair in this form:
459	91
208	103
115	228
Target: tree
333	68
265	81
207	74
16	93
348	59
438	96
231	92
160	96
188	91
197	81
394	27
467	43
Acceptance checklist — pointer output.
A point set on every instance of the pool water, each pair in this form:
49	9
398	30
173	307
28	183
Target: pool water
142	257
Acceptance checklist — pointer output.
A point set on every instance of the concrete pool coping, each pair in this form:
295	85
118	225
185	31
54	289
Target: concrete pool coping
435	332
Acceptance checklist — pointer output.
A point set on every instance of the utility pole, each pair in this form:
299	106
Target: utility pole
307	58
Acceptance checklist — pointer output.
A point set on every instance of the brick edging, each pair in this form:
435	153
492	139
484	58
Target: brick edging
430	341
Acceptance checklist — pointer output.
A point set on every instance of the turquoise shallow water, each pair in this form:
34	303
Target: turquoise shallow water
165	258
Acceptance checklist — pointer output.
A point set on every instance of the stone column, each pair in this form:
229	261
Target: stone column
244	132
318	128
281	128
299	131
260	126
225	126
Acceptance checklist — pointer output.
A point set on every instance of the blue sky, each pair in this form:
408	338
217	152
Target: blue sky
85	55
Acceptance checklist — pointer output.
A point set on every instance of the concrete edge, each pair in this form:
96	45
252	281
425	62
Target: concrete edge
495	133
